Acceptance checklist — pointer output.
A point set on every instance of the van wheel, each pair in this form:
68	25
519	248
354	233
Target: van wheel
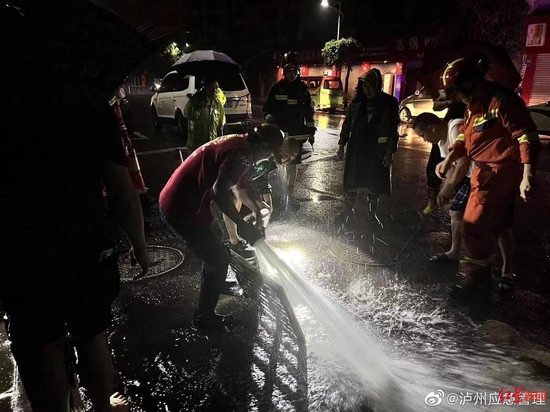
157	123
405	115
181	125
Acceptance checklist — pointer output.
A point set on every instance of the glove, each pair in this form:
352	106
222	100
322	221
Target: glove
311	139
250	233
270	119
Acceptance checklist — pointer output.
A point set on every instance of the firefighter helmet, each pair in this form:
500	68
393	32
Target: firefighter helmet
464	68
290	58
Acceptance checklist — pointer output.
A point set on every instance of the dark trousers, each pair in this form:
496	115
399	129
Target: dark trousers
434	182
206	242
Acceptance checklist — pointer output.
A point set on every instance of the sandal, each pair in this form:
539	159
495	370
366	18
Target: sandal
442	258
507	283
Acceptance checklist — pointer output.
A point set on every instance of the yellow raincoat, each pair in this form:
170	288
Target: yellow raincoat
205	120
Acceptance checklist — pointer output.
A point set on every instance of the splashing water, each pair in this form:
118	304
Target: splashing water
282	176
349	371
351	340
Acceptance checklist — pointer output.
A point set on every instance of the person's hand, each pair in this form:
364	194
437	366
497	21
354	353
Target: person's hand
270	119
340	153
262	205
258	220
141	256
441	169
525	188
445	195
388	159
249	233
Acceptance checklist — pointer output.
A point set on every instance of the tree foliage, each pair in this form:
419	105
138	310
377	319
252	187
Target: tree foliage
340	53
172	52
496	22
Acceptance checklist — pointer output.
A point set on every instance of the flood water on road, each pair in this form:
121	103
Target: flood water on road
414	342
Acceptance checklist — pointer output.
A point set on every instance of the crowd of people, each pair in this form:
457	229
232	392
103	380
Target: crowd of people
65	228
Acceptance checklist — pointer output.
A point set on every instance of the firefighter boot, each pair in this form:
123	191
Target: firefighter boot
473	285
372	204
432	202
347	211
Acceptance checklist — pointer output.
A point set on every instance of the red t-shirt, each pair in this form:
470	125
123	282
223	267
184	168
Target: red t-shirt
188	194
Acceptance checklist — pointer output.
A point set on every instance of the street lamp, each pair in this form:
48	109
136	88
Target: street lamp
338	10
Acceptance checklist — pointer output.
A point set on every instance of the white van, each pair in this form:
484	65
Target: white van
169	101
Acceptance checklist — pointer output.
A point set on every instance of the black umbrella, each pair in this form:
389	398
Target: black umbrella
501	69
85	42
204	62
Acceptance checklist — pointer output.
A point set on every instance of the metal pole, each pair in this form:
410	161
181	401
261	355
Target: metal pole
339	15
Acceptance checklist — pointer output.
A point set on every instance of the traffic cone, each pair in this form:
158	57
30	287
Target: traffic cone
135	171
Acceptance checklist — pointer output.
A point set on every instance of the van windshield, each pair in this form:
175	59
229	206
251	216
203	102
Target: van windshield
332	85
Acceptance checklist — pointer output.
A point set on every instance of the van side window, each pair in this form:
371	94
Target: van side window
183	84
169	83
332	85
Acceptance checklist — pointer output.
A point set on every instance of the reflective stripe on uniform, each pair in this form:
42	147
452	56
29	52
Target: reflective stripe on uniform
298	136
382	140
491	114
310	124
460	138
281	97
529	137
292	101
479	262
112	101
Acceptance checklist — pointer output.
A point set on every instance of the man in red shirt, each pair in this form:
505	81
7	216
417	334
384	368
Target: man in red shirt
499	136
211	174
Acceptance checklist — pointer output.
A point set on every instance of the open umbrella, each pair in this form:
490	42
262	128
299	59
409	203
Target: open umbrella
501	69
85	42
204	62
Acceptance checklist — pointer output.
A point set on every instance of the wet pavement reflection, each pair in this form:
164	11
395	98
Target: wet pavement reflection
382	277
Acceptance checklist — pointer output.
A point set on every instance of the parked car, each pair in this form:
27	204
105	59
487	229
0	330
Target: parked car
541	116
168	103
417	103
326	91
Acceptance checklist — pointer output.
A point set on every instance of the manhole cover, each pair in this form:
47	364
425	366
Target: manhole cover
163	260
354	254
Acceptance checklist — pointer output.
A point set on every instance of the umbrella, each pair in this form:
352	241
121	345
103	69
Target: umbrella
501	69
204	62
87	42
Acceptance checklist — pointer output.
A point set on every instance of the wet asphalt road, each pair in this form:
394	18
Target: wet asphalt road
168	367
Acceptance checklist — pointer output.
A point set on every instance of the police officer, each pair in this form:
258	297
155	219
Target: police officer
289	106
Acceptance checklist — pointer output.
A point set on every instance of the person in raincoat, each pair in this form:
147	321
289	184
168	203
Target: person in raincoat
205	114
370	134
289	106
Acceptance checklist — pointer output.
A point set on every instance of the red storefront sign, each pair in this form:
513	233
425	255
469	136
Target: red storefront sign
397	48
535	87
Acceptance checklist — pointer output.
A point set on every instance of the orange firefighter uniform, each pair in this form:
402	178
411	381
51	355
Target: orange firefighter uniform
498	135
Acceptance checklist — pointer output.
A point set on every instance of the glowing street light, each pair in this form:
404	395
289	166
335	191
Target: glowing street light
338	10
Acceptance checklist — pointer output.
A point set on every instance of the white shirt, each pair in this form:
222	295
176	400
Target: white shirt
453	130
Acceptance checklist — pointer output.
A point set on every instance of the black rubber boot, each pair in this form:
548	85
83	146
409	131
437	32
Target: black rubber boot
211	321
347	211
469	288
